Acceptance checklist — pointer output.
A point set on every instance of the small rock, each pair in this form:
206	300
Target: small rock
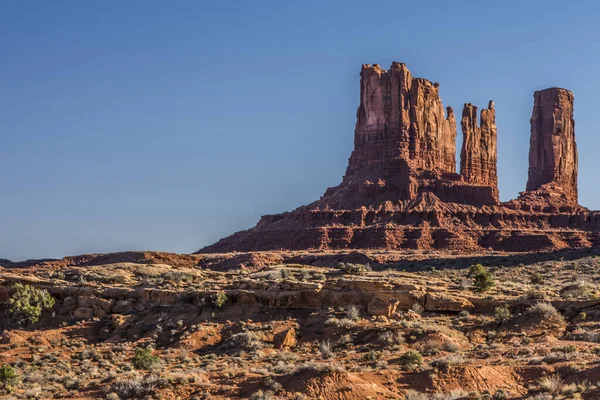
69	302
286	338
122	307
83	313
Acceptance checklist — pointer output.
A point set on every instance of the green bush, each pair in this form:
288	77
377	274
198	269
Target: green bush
220	299
8	375
411	360
502	313
143	358
28	302
476	269
482	278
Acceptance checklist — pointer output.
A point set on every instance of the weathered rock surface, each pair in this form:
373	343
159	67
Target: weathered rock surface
552	149
286	338
401	189
478	156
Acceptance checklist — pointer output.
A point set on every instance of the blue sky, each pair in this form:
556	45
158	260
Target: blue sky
167	125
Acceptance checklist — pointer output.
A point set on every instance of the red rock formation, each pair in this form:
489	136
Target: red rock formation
401	190
404	144
552	148
479	151
401	118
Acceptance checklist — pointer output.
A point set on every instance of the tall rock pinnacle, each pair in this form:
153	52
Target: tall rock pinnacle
552	147
479	154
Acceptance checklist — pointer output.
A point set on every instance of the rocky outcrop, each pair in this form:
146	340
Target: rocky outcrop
404	145
478	156
552	148
401	117
401	189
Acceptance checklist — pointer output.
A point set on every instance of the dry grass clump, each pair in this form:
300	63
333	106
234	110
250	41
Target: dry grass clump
391	338
137	387
551	384
546	311
577	290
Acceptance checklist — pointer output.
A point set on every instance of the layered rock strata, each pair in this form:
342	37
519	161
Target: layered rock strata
552	148
478	156
401	189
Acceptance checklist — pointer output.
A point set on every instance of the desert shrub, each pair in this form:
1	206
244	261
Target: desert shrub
372	356
593	337
325	349
452	395
579	289
354	269
545	311
28	302
260	395
136	388
71	383
534	295
272	384
391	338
353	313
571	390
320	277
550	384
143	358
340	323
537	279
8	375
430	347
418	308
412	394
220	299
450	346
449	361
476	269
502	313
248	341
500	395
177	276
482	278
410	360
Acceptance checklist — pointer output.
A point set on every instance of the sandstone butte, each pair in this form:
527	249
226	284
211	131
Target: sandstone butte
401	188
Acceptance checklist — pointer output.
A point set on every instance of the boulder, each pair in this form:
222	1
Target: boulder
122	307
381	306
285	338
84	313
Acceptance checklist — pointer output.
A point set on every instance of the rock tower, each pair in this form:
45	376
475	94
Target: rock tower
552	147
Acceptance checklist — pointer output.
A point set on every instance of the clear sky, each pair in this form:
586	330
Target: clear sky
167	125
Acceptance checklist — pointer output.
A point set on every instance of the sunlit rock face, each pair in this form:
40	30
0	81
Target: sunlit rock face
552	148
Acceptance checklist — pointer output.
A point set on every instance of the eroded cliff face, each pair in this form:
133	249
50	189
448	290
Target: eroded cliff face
404	146
401	117
552	148
478	156
401	189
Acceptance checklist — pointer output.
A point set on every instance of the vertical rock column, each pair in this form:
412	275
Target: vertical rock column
552	147
479	152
